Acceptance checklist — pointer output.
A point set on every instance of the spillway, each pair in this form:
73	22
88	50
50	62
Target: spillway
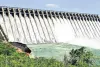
33	26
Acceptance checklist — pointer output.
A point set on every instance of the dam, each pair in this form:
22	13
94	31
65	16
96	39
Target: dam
35	26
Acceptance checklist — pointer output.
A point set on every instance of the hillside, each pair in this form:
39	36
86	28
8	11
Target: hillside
9	57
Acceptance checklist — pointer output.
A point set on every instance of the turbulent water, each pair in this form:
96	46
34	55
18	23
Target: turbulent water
50	35
36	29
57	51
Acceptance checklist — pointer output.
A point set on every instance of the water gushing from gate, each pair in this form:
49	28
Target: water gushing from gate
37	26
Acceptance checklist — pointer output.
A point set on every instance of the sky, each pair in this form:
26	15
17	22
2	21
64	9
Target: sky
81	6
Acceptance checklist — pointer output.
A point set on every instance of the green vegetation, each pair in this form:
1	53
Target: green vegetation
79	58
10	58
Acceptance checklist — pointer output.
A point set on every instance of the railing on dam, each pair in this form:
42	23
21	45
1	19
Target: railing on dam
42	26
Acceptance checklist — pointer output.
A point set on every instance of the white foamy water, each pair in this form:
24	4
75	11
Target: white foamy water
67	36
41	34
83	29
63	32
91	43
35	29
14	28
44	29
57	21
87	29
9	30
74	27
2	24
25	29
62	21
48	28
39	29
31	32
52	28
21	38
97	27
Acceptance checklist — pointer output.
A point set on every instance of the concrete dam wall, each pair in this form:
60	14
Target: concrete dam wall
33	26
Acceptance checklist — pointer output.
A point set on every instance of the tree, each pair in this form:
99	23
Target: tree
79	58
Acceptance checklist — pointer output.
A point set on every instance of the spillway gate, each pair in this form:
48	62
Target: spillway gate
44	26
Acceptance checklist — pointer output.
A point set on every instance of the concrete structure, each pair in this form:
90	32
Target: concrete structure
32	26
